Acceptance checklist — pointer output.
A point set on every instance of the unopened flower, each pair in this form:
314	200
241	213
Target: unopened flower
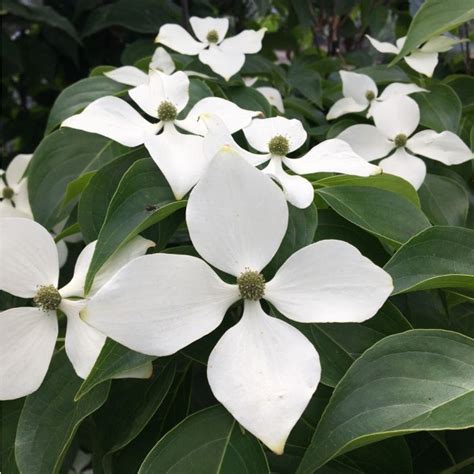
423	59
277	137
225	56
30	269
14	189
263	370
360	93
395	121
179	156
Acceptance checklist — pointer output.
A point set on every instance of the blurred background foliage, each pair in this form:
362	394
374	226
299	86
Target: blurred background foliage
48	45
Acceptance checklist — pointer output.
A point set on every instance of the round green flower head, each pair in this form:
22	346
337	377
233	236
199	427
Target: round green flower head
251	285
400	140
212	36
167	111
369	95
7	192
279	145
47	298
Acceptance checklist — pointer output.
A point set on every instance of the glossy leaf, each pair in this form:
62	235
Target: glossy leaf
382	213
444	200
303	77
440	257
389	182
99	192
415	381
75	98
339	344
209	441
51	417
250	99
114	359
433	18
440	109
61	158
11	411
302	224
142	199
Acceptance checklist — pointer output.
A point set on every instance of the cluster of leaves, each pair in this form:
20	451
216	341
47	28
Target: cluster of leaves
397	391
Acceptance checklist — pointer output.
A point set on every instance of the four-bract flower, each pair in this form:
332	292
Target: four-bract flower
278	136
360	92
224	56
179	156
30	269
423	59
395	121
14	189
262	370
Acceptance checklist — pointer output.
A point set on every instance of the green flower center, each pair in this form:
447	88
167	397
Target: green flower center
369	95
279	145
400	140
251	285
212	36
7	193
167	111
47	298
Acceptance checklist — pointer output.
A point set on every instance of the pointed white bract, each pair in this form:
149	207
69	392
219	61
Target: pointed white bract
423	59
225	56
396	119
14	189
30	266
262	370
275	138
361	93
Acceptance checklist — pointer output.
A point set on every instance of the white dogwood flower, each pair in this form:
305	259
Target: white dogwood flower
360	93
423	59
278	136
225	56
262	370
179	156
30	269
14	189
395	121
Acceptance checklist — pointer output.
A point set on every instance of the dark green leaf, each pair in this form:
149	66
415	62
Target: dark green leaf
249	99
62	157
444	201
143	198
433	18
439	257
113	361
303	77
207	442
51	417
11	410
96	197
302	224
415	381
144	16
382	213
440	109
75	98
339	344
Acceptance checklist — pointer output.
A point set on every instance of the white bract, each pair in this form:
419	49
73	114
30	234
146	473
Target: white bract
224	56
278	136
423	59
14	189
262	370
360	92
272	94
179	156
133	76
395	121
30	269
